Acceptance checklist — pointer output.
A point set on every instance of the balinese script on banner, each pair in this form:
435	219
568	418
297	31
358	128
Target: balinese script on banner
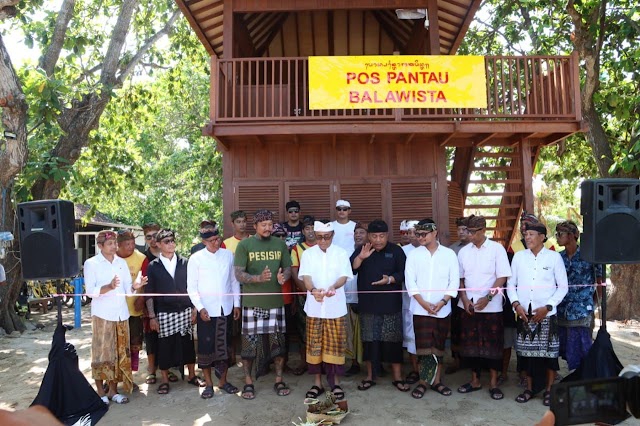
359	82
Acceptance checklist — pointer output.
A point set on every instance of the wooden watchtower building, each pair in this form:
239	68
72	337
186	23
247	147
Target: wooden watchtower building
398	163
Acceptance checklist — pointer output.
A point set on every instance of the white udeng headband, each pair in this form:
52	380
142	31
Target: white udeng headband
322	227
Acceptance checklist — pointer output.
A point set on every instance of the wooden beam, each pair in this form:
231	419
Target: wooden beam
294	5
243	38
483	140
471	11
196	27
433	45
222	145
527	175
416	44
227	28
387	29
447	138
274	32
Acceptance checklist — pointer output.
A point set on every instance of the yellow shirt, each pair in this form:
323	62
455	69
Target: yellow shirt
231	243
134	262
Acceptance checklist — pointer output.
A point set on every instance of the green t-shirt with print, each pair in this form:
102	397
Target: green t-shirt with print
254	254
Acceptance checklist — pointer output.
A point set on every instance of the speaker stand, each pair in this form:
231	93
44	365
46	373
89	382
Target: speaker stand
603	302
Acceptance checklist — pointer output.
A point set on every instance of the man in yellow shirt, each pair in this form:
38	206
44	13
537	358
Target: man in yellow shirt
134	258
239	222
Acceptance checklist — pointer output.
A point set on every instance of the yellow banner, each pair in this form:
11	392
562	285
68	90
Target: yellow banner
365	82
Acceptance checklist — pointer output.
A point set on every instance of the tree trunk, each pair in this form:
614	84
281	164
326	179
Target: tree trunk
622	302
9	320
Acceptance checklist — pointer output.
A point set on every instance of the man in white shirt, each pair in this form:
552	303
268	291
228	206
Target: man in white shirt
108	281
432	278
215	293
409	340
324	269
343	228
537	285
484	269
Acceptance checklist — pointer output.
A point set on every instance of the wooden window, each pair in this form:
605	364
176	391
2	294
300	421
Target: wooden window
314	198
409	200
252	196
365	199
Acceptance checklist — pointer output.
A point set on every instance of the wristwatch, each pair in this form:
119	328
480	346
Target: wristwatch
489	297
549	307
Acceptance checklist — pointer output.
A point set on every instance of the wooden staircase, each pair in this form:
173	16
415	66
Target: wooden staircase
494	189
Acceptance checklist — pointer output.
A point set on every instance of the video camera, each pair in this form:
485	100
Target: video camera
610	400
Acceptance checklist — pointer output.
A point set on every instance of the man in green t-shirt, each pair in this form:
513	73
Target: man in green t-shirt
262	265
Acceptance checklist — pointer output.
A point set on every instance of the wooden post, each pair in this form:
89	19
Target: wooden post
441	195
227	30
527	175
434	27
213	89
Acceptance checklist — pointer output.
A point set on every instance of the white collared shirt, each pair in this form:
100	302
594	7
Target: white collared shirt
324	269
169	264
98	271
481	267
537	280
433	276
343	235
212	283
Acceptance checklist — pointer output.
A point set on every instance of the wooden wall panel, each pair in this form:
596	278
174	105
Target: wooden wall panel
409	201
315	198
366	199
456	209
252	196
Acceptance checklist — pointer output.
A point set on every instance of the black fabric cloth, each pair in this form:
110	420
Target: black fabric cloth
161	282
176	351
600	361
151	343
64	389
150	255
388	261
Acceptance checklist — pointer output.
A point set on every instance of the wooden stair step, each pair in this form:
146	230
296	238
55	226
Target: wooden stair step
493	181
494	194
480	154
496	168
492	206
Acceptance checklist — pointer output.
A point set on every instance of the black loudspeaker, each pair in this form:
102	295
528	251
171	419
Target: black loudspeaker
611	214
47	246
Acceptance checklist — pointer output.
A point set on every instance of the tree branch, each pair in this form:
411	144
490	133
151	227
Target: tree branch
50	58
8	9
529	25
129	67
118	37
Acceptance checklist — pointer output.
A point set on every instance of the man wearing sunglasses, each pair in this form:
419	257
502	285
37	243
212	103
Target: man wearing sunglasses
484	269
343	227
432	278
293	225
171	312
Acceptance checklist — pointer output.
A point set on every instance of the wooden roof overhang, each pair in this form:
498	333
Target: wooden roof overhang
256	23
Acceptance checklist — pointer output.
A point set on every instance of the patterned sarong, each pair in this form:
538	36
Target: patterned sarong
110	354
381	327
326	340
538	340
354	342
175	322
263	321
431	334
482	335
263	336
214	339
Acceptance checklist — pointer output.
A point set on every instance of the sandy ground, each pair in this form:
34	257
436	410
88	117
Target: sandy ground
23	361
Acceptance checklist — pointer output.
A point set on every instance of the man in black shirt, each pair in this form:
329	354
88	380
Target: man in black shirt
293	226
380	268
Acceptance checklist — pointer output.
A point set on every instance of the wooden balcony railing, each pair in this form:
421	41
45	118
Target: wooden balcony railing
532	88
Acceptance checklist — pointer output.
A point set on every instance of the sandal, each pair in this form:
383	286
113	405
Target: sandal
197	381
524	396
207	393
419	391
172	377
441	389
151	379
248	392
468	387
366	385
281	388
400	385
338	392
314	392
229	388
546	398
496	393
163	389
412	378
119	399
105	399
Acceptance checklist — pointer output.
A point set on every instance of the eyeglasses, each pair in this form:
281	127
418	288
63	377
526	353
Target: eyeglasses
343	209
213	239
325	237
561	234
422	234
149	237
404	232
293	210
168	241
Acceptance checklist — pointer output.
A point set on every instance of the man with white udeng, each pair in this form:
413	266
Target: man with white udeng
108	281
324	269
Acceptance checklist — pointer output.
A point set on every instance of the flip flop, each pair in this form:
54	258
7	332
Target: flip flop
105	399
229	388
207	393
399	384
151	379
248	392
441	389
496	393
366	385
281	389
468	388
419	391
172	377
120	399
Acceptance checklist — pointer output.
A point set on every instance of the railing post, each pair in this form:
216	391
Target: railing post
213	90
575	81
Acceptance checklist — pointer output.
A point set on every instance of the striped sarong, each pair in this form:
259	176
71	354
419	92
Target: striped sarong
326	340
431	334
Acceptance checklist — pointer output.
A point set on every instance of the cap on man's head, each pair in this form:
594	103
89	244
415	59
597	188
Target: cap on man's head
568	226
106	235
426	225
208	229
278	230
476	222
403	226
536	226
237	214
262	215
292	205
377	225
322	226
125	235
343	203
165	233
528	217
411	224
